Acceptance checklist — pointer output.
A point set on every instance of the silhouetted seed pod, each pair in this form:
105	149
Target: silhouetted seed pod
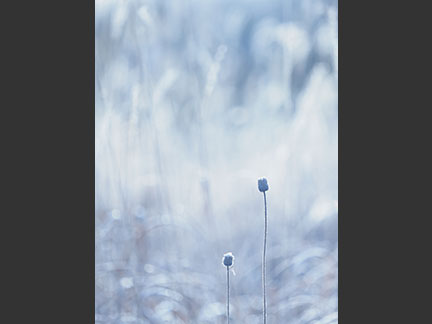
228	259
262	185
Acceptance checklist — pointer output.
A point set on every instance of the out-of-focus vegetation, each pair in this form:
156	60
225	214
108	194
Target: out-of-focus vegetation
195	100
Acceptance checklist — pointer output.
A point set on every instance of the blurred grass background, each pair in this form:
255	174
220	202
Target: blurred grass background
195	100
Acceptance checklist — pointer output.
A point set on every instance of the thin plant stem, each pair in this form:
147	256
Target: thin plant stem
228	295
264	261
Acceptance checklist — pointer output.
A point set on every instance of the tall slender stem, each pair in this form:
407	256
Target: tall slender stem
228	295
264	261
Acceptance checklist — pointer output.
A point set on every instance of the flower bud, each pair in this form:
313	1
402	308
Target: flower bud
228	259
262	185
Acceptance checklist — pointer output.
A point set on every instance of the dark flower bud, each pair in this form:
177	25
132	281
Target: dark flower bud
228	259
262	185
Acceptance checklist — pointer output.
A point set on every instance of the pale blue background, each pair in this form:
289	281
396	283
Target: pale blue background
195	100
